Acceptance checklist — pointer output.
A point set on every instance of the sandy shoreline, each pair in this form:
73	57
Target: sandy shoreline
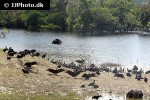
45	82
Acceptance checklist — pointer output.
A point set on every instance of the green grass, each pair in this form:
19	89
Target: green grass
1	50
16	96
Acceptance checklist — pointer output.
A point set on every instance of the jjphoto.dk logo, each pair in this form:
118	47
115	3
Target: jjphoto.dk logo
22	5
6	5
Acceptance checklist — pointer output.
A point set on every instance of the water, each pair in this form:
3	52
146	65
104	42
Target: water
106	96
124	49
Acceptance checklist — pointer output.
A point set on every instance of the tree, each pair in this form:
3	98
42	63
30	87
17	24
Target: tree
34	21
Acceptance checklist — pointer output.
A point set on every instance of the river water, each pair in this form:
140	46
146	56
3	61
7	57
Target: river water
127	49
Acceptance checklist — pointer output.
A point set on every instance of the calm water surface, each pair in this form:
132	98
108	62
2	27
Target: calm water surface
125	49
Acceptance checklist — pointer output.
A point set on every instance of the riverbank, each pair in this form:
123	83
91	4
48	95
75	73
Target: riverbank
14	81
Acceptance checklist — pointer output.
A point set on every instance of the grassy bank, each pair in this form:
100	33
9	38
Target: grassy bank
18	96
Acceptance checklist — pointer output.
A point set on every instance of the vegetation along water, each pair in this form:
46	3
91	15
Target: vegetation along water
86	16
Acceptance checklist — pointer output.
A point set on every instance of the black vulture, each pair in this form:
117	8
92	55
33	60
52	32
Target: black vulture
57	41
44	55
80	61
96	86
55	71
147	72
33	63
82	86
29	64
8	57
5	49
138	77
35	54
73	73
119	75
96	97
87	76
145	79
25	71
33	50
92	84
129	75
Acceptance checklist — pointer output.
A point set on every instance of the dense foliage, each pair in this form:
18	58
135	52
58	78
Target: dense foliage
86	16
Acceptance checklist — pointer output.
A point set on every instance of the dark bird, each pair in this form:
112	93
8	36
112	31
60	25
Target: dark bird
44	55
56	41
59	66
96	97
82	86
87	76
129	75
29	64
97	72
8	57
36	54
32	51
119	75
96	86
5	49
138	77
33	63
55	71
92	84
129	71
145	79
19	56
80	61
25	71
147	72
73	73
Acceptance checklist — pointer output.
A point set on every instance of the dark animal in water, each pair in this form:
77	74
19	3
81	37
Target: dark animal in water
145	79
129	75
55	71
5	49
119	75
73	73
135	94
92	84
147	72
96	97
80	61
25	71
57	41
44	55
